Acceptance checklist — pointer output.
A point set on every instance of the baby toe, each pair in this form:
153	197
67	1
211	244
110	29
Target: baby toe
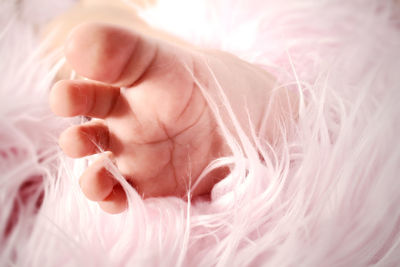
83	140
72	98
97	182
115	202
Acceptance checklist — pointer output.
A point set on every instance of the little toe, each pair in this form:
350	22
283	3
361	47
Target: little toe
116	201
71	98
86	139
97	182
101	52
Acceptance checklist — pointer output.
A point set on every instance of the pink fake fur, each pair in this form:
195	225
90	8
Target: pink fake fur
327	195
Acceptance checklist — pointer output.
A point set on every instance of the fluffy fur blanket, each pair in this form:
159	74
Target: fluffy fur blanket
328	195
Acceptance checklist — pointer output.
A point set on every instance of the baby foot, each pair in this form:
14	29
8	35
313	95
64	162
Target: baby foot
158	129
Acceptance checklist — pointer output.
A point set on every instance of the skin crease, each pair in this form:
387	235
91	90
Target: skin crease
159	131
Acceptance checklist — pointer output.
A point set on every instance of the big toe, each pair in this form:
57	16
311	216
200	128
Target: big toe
103	52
